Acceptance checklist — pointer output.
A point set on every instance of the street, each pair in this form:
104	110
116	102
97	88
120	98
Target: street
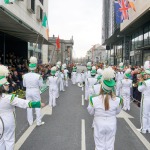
68	126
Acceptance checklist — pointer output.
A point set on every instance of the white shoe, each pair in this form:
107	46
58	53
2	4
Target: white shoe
140	130
41	124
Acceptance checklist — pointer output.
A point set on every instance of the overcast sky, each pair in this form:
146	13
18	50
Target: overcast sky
78	18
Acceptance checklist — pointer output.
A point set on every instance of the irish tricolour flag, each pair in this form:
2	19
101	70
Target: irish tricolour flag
8	1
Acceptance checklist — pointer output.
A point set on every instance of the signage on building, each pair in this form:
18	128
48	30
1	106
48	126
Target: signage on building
127	48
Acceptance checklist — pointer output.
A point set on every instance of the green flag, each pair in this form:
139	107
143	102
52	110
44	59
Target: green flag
8	1
44	21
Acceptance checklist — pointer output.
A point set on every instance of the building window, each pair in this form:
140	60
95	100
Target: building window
140	42
33	5
136	39
146	32
41	1
133	42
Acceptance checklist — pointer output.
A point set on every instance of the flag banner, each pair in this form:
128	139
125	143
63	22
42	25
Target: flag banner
58	43
118	14
124	9
9	1
44	21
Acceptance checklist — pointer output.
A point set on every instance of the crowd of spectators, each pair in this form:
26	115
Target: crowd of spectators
18	66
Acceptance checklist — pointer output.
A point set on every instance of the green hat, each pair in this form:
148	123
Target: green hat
108	85
143	73
89	67
107	80
93	72
33	63
3	73
127	73
53	71
89	64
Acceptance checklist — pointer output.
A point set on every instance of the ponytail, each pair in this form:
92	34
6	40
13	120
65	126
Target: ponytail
106	102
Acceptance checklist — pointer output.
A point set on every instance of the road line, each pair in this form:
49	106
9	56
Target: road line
83	143
82	100
47	110
138	134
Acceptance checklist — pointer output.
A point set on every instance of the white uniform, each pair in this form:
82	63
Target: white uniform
145	105
33	81
105	122
66	77
126	85
119	77
58	74
7	113
62	81
79	78
87	75
90	83
53	89
73	78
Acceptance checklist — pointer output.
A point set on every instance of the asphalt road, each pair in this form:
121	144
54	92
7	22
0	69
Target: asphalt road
69	126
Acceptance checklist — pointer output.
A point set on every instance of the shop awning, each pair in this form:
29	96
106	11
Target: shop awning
14	26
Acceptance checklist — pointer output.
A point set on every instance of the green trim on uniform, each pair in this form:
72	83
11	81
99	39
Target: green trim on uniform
140	83
12	97
35	104
121	101
90	100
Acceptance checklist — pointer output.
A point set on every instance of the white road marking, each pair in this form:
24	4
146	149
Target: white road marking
47	110
82	100
126	117
83	142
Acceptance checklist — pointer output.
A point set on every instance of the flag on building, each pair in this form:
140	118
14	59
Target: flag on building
124	9
44	21
58	43
118	14
8	1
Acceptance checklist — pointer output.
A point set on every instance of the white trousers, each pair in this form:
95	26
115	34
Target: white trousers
52	97
145	113
33	95
104	133
86	92
7	142
126	98
73	79
118	88
66	83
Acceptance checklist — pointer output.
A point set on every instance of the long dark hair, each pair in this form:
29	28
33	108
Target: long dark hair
106	100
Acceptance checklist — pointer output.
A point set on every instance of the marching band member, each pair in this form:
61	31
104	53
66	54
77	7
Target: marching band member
74	75
119	77
91	81
97	86
105	107
33	81
144	87
66	74
87	75
126	85
53	87
7	110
